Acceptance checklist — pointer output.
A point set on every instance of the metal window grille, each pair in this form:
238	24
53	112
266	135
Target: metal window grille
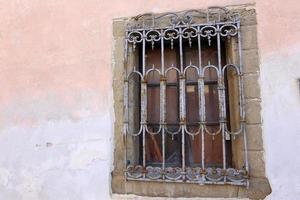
164	31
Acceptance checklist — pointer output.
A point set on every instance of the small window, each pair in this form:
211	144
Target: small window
183	99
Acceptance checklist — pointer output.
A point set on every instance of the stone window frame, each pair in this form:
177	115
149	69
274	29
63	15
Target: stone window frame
259	184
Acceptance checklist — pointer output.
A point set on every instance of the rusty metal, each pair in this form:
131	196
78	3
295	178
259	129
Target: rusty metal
212	24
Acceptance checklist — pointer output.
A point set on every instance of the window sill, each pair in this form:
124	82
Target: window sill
259	189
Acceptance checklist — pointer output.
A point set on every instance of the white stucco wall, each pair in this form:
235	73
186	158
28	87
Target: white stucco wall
279	46
281	112
56	107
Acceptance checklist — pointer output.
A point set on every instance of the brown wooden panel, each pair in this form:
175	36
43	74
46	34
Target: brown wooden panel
153	58
211	103
192	102
210	54
153	143
213	148
213	145
172	92
192	98
153	148
153	106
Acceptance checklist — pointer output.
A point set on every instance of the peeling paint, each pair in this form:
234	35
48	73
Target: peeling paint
56	101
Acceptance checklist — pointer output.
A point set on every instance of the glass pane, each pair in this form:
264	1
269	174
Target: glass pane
153	148
153	107
173	148
193	149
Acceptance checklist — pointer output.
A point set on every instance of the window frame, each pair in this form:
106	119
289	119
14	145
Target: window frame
182	27
138	187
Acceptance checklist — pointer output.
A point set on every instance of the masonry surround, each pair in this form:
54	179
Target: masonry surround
259	185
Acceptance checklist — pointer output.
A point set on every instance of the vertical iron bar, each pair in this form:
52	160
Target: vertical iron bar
144	99
126	93
221	97
182	103
162	52
199	48
201	101
144	53
126	113
242	103
126	51
203	121
180	50
162	101
182	120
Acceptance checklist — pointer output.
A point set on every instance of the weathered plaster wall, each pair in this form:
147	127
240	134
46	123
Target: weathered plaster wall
279	44
56	108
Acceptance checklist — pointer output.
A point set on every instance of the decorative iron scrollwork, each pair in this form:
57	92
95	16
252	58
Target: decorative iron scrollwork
175	30
187	18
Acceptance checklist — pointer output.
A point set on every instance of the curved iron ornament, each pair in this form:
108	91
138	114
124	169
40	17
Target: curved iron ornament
153	36
191	66
172	133
193	174
164	31
242	120
153	70
212	15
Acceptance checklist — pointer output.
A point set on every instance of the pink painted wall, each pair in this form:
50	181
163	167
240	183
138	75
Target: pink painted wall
56	105
61	49
279	46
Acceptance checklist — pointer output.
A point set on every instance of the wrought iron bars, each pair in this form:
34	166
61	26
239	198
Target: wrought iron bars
219	24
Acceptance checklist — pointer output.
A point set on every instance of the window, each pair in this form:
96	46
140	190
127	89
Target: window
183	99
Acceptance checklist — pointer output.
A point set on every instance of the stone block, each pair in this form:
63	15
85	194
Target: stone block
118	183
253	109
119	27
259	188
156	189
254	137
251	86
257	163
250	61
248	17
249	37
118	55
